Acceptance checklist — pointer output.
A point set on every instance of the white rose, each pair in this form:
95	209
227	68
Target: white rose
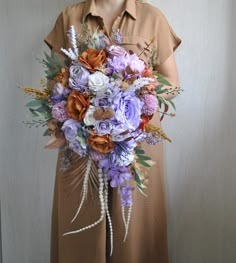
125	159
89	119
98	82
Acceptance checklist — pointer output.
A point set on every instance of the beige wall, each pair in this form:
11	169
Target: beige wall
199	164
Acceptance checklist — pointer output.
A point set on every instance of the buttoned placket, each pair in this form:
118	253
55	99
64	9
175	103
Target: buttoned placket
118	24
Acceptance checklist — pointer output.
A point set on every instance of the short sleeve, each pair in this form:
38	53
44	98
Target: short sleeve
167	41
56	38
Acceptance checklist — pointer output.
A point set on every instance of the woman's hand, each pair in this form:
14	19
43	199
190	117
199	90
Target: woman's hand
169	70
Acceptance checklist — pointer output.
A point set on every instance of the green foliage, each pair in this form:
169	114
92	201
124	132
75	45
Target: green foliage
161	79
39	108
36	103
138	180
53	65
36	123
141	157
166	103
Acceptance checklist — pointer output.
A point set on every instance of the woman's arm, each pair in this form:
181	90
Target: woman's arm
170	72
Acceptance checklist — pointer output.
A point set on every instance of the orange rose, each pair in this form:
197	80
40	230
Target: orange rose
93	58
77	105
63	77
102	144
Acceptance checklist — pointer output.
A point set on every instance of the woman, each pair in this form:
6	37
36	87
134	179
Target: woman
147	239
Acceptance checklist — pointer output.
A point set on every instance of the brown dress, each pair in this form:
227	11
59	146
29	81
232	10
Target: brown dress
147	238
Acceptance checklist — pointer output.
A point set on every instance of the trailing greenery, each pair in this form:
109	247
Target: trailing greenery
141	157
53	65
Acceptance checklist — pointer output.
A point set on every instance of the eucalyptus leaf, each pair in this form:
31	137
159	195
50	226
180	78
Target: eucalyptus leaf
144	158
42	108
165	82
141	190
35	103
172	104
143	163
139	150
34	114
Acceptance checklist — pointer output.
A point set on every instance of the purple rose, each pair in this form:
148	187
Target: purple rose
116	51
102	101
77	147
78	77
70	129
135	63
103	127
128	110
118	64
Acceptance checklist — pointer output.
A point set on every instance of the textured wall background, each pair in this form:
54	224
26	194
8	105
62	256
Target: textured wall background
199	164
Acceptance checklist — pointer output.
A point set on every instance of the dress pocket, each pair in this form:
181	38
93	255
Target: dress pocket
137	45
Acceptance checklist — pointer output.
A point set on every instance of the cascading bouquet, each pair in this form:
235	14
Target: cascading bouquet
99	107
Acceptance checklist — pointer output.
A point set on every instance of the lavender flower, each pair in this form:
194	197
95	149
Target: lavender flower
118	175
117	36
153	138
59	111
126	196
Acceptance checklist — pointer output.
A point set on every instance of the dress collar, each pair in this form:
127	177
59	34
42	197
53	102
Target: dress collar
90	8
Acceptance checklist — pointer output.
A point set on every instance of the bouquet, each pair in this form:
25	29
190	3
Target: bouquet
99	107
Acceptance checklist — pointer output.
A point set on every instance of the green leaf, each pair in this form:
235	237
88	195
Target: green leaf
34	114
161	79
172	104
143	163
42	108
141	190
144	158
139	151
35	103
165	82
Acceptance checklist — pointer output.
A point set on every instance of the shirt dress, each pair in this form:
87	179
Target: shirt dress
139	23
